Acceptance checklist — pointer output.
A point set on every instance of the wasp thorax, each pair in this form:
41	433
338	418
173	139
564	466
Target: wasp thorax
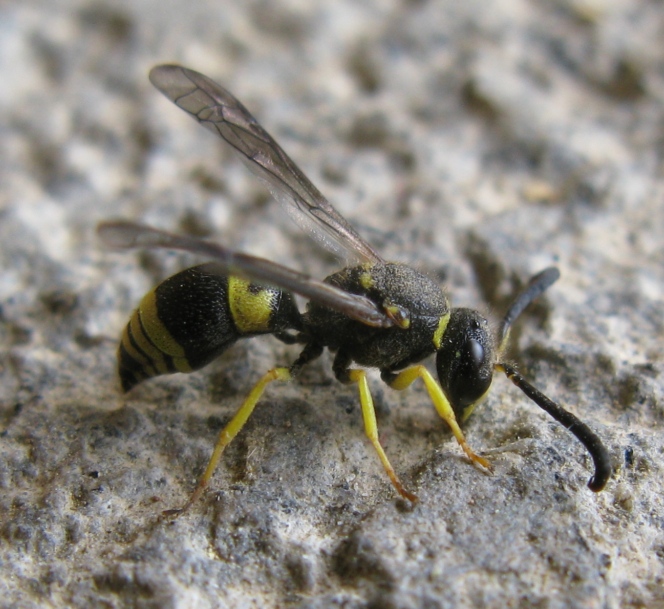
465	360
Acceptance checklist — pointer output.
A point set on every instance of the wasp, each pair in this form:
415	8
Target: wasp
370	314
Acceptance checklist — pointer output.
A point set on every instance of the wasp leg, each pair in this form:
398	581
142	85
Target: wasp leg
310	352
348	375
401	380
230	431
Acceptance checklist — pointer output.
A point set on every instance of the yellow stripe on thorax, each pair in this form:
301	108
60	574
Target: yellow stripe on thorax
440	330
251	310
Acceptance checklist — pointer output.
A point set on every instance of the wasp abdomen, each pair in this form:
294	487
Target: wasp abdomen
192	317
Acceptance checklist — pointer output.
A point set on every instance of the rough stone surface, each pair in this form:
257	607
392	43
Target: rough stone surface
479	141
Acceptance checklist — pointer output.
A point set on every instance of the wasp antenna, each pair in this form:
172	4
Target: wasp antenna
583	433
535	287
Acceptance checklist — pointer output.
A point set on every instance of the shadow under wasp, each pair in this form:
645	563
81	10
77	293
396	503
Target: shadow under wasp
372	313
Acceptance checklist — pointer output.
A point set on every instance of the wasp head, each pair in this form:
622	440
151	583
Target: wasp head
465	360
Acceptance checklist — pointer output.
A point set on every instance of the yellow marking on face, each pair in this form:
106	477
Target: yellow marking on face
468	410
440	330
251	310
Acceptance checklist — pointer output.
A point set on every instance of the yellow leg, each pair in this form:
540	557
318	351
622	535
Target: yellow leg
406	377
371	429
230	431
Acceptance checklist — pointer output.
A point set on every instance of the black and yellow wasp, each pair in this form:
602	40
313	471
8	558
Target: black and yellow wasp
373	313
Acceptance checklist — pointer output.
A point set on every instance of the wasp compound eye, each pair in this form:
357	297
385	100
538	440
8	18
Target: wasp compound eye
465	360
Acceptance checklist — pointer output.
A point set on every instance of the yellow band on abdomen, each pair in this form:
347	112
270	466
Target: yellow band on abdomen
155	330
251	308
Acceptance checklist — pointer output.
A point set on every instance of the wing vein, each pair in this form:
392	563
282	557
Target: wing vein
220	112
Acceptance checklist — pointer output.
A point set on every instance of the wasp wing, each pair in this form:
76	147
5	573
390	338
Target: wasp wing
121	234
218	111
